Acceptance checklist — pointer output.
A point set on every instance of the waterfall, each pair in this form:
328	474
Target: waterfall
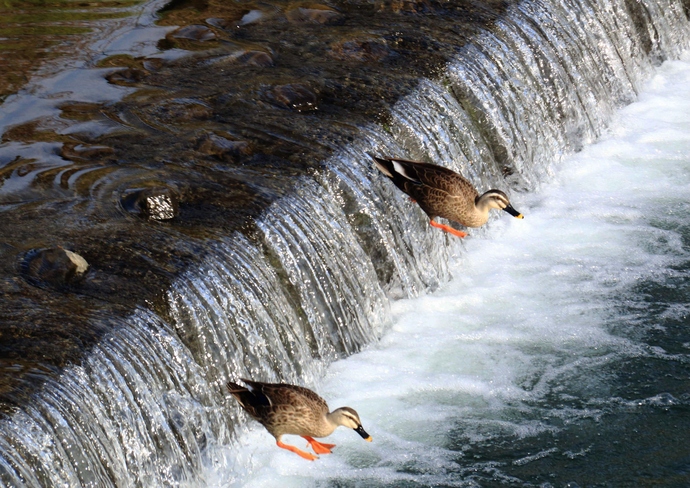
312	281
138	411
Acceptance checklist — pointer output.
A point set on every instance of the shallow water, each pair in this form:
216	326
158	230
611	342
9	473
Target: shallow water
42	38
558	354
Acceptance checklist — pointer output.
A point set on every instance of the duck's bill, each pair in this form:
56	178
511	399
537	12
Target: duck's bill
363	433
514	212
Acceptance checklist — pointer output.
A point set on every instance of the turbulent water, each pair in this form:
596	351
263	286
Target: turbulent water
557	350
559	353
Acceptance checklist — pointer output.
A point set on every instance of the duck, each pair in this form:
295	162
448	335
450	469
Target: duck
289	409
441	192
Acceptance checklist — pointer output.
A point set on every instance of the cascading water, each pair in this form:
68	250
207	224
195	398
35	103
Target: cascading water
140	417
338	291
559	354
221	304
147	408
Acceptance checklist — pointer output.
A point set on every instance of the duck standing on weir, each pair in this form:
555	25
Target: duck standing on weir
441	192
289	409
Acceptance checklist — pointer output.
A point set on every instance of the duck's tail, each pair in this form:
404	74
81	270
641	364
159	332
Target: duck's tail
385	166
250	398
398	170
235	388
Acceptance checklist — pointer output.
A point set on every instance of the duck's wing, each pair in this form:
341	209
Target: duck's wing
283	393
253	400
406	174
438	177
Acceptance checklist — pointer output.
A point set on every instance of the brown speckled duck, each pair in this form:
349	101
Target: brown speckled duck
289	409
441	192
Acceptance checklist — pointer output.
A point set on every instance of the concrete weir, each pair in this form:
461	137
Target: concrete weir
260	97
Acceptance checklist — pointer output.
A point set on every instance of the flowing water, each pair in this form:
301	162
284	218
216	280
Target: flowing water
559	353
556	351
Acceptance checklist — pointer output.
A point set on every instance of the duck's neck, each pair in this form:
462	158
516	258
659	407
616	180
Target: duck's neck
481	203
329	424
480	213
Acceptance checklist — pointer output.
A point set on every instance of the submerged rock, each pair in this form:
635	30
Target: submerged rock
256	58
151	203
83	152
250	57
316	15
214	145
221	23
360	50
54	266
295	96
194	33
153	64
126	76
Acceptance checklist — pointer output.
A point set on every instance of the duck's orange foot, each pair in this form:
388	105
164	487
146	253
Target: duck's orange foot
306	455
448	229
319	447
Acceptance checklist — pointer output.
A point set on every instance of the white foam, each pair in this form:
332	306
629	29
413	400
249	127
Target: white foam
530	307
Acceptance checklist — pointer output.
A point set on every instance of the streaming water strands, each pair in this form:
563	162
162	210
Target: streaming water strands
137	412
334	278
220	310
407	259
433	124
568	69
148	406
239	317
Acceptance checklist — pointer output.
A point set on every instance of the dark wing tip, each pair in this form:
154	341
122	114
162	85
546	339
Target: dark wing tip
234	387
385	166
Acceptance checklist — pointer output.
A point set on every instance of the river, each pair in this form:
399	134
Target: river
559	355
550	351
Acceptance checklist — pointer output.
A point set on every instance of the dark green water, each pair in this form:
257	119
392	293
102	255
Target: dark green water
33	33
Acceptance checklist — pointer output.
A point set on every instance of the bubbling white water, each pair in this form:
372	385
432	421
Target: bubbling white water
528	312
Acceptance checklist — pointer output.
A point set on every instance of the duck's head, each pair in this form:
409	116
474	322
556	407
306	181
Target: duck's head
498	200
347	417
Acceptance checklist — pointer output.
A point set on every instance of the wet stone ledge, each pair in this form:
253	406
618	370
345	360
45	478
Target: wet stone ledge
265	93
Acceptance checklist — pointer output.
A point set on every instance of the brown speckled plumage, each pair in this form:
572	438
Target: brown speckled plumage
290	409
441	192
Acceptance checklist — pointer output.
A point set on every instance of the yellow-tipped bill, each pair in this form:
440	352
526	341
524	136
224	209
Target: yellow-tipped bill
361	432
514	212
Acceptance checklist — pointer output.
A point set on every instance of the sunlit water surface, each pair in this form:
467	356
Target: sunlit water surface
559	352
